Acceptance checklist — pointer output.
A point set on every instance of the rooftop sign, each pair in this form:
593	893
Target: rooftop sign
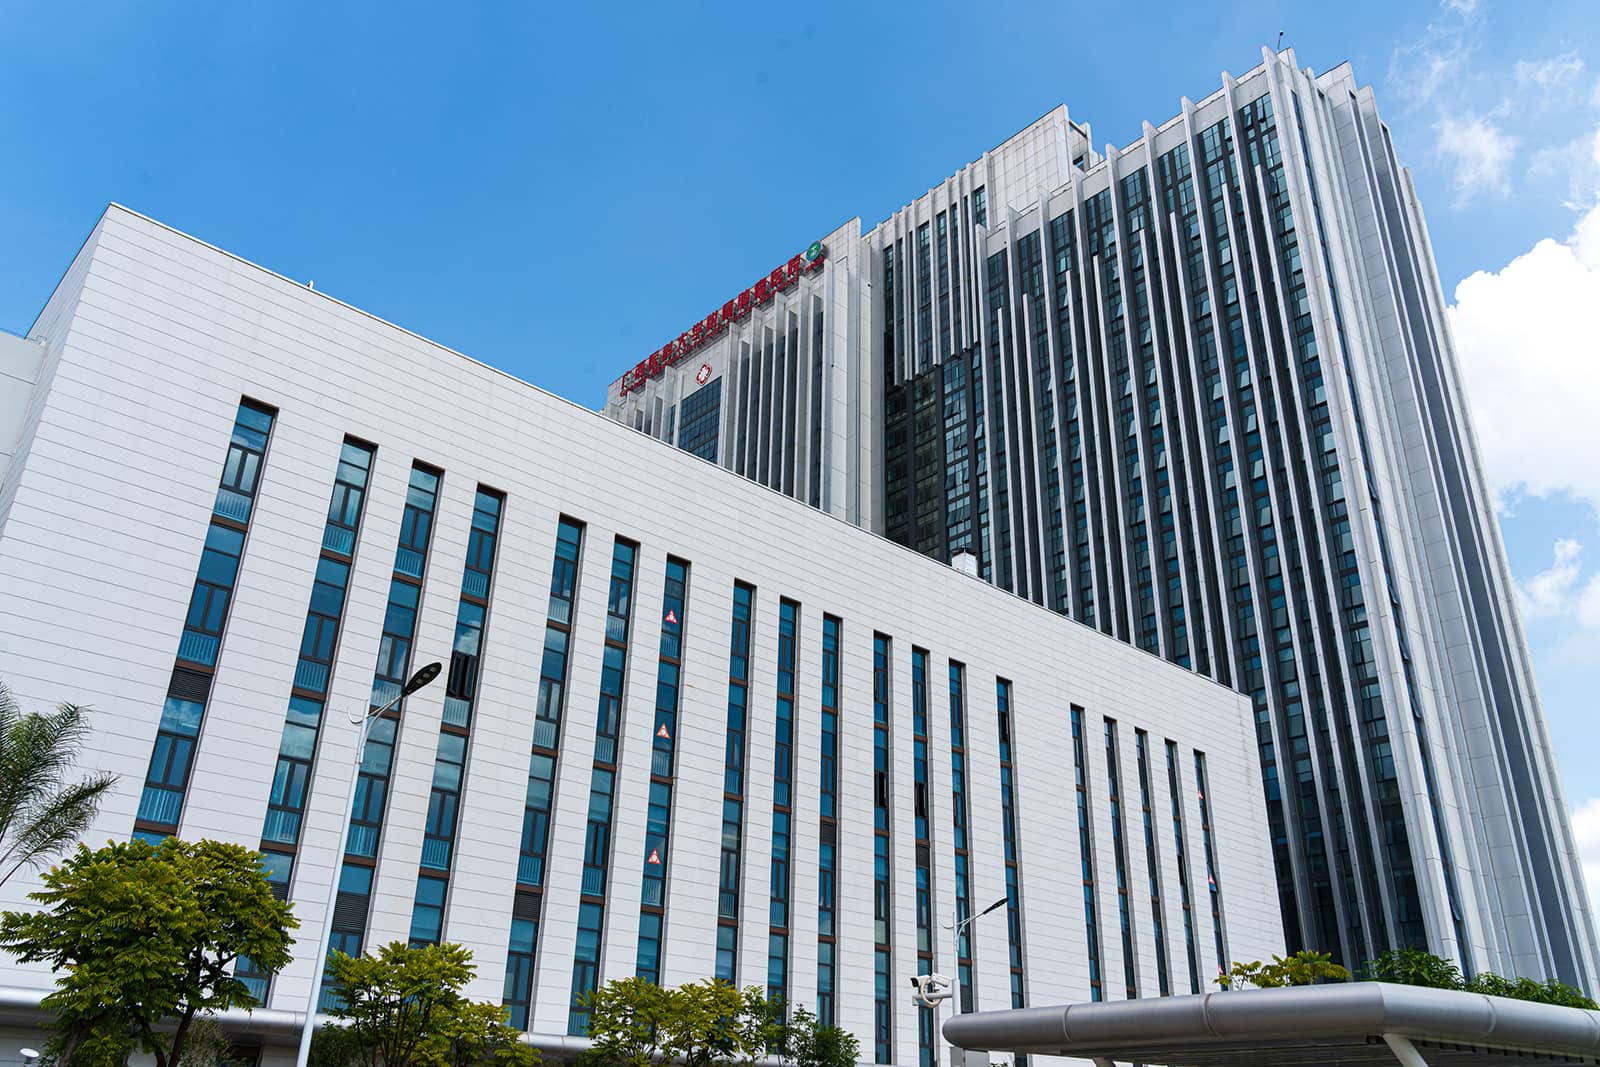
713	325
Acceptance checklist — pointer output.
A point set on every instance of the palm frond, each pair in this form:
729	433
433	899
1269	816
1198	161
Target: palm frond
41	813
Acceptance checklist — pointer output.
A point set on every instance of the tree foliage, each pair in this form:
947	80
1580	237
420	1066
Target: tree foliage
41	812
139	934
635	1023
1403	966
1302	968
1413	966
1549	992
813	1045
404	1008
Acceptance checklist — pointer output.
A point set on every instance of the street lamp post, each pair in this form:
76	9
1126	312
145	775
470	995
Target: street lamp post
425	674
934	989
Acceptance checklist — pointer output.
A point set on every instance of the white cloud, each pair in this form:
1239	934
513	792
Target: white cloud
1577	164
1479	153
1556	75
1561	591
1420	68
1586	831
1528	337
1549	592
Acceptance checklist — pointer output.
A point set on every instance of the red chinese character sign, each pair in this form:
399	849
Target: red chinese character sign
716	323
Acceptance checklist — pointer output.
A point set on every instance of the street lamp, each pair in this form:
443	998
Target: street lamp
932	993
425	674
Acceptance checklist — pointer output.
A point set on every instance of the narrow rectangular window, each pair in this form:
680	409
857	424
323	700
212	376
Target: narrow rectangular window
828	821
350	918
1013	848
733	779
167	780
1091	918
1119	853
602	782
782	803
663	768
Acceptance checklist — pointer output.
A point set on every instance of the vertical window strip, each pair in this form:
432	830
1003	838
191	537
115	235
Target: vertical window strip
355	880
882	717
828	824
1119	852
782	805
542	762
1213	886
663	769
602	783
1013	850
958	805
455	729
172	758
733	790
1141	744
291	779
1091	919
351	909
882	856
1175	790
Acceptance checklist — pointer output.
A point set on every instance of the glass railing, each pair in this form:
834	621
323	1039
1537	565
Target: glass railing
560	610
661	762
340	539
256	984
363	840
530	870
384	691
160	806
436	853
605	749
232	505
616	629
654	890
197	647
457	712
281	826
594	881
309	674
475	583
546	732
408	561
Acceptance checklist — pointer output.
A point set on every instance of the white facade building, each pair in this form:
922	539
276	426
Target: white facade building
1200	393
175	426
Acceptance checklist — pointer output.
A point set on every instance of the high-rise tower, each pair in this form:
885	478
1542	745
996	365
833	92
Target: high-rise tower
1199	393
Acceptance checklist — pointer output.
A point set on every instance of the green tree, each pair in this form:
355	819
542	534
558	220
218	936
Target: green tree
635	1023
41	812
404	1008
1549	992
139	934
813	1045
626	1017
702	1028
1413	966
1302	968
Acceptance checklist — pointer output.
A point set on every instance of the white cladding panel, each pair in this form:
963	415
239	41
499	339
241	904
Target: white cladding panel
98	556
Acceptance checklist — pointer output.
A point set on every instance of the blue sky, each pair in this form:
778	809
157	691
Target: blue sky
557	190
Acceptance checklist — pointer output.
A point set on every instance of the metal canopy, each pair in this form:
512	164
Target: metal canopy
1351	1025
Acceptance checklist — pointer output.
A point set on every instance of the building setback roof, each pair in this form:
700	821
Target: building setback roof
1352	1025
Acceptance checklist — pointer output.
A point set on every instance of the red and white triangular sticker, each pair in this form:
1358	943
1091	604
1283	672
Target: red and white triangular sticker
655	857
672	617
662	733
